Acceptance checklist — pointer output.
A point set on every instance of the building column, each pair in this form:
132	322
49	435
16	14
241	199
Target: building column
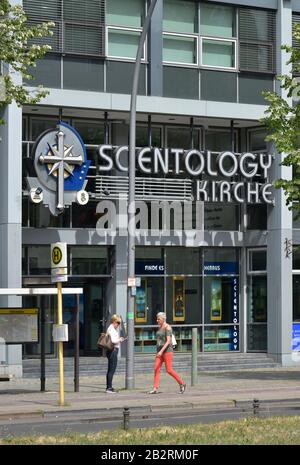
155	50
279	262
11	222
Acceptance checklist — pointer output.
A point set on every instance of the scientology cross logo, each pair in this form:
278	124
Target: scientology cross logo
61	166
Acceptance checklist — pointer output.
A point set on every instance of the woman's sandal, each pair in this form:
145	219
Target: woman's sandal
154	391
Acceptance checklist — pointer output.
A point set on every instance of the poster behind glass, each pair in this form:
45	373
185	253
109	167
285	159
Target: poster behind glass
178	299
141	302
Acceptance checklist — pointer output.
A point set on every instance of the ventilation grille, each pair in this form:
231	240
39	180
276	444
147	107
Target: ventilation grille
147	189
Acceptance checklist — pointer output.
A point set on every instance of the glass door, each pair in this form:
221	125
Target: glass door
94	312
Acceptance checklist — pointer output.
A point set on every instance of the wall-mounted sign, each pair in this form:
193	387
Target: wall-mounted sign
61	166
148	267
225	166
178	299
221	268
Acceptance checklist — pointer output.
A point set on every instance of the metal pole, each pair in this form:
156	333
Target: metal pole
232	135
129	381
43	346
60	347
194	356
76	348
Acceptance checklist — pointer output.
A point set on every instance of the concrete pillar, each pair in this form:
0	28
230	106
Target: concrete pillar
279	263
155	51
10	222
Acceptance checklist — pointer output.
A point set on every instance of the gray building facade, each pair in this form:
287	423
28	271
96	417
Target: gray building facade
205	66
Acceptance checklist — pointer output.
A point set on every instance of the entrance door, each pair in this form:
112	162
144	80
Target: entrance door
94	313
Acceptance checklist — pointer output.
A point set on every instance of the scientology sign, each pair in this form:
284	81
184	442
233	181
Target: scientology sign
226	177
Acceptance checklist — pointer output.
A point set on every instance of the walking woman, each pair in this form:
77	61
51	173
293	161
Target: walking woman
112	355
164	354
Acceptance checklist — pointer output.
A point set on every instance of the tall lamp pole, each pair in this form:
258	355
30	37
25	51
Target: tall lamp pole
131	204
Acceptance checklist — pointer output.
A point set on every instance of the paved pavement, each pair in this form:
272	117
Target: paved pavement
21	398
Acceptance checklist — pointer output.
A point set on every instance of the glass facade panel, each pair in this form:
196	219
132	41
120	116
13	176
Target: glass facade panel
257	217
296	298
296	259
219	141
83	74
221	255
40	217
258	260
84	216
182	138
257	337
184	300
218	299
142	137
180	16
183	261
257	299
217	21
123	43
89	260
178	49
257	141
39	125
218	53
128	13
91	132
219	338
149	253
39	260
219	217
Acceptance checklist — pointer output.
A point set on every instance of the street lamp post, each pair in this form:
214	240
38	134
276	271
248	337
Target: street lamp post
131	204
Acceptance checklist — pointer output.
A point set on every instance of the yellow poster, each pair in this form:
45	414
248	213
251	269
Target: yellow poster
216	300
178	299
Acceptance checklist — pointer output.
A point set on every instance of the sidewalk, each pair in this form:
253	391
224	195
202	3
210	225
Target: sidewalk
22	397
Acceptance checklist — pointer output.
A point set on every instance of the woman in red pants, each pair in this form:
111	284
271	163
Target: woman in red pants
164	354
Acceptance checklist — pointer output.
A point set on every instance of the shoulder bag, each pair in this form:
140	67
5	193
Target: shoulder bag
104	342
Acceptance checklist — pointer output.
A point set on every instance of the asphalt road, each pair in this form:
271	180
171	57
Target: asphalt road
93	422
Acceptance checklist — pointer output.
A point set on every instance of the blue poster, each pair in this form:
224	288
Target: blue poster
296	336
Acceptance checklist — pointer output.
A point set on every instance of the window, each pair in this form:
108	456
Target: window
217	29
79	26
257	33
180	26
257	300
124	19
180	49
257	261
89	260
257	140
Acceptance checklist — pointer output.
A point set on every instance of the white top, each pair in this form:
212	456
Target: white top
114	335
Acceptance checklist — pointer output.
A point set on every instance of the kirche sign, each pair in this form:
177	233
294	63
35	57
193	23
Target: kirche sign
226	177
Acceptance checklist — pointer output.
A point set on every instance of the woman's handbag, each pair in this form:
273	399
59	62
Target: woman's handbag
104	341
174	342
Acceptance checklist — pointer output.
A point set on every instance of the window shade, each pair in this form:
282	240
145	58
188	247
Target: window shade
79	24
257	34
